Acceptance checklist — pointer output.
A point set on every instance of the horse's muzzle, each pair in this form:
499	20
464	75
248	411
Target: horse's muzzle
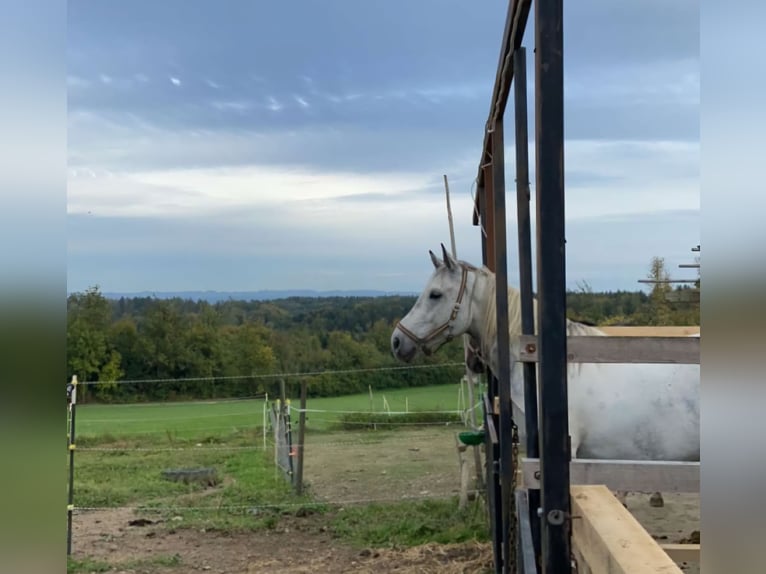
402	347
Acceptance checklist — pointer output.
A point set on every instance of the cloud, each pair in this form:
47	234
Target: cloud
199	192
222	184
76	81
670	82
234	106
273	104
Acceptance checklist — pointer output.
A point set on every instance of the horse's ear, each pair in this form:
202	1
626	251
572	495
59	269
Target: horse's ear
448	260
435	259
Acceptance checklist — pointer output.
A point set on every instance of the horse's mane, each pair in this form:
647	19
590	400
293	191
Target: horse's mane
489	331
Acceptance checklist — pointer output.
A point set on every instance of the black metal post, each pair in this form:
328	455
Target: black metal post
503	342
551	274
493	482
525	273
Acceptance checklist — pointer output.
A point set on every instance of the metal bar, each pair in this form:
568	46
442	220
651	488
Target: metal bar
525	271
493	484
551	269
628	475
526	553
606	349
666	281
503	339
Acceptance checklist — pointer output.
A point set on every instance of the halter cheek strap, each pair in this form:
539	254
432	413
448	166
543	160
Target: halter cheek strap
421	341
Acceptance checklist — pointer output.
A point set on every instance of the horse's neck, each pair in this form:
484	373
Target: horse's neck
483	328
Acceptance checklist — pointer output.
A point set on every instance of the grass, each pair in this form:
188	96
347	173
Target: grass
406	524
193	420
251	493
124	477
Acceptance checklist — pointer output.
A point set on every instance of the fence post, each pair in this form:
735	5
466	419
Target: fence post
301	440
71	391
265	406
288	430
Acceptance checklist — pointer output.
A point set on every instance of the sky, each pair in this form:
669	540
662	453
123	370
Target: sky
248	145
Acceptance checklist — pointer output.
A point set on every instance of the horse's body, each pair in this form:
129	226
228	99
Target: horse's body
616	411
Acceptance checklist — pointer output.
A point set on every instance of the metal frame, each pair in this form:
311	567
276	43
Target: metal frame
544	520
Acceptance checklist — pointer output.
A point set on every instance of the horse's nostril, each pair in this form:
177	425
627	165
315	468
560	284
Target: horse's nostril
396	342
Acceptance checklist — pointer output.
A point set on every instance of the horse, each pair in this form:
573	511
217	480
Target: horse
621	411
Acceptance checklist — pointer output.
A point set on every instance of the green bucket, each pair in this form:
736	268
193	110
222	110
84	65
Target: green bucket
471	438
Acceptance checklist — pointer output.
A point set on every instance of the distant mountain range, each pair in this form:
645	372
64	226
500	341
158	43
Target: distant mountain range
265	295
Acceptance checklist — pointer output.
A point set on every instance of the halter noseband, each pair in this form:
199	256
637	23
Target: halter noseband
421	341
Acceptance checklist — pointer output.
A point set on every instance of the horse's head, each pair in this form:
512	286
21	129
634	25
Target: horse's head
441	313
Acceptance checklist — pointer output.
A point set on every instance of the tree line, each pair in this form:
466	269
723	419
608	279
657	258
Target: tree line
195	349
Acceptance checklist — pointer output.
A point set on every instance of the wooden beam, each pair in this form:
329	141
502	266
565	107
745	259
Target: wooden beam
650	331
608	539
682	552
513	34
488	219
590	349
630	475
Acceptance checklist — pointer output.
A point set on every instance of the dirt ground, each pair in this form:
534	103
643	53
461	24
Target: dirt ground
425	463
420	462
296	545
303	545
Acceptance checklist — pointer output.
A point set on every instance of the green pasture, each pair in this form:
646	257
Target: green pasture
122	451
202	420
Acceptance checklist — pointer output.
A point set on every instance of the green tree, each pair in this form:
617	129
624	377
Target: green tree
91	354
659	306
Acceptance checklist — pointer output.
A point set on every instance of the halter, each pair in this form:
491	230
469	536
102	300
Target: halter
421	342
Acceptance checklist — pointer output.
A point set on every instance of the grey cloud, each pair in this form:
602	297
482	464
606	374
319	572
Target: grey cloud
608	252
395	86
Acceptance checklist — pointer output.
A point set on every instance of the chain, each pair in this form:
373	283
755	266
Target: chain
512	535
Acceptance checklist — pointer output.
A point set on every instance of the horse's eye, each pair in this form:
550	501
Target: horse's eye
434	295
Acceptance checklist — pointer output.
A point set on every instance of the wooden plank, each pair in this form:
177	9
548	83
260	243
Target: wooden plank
668	350
489	422
610	540
630	475
650	330
682	552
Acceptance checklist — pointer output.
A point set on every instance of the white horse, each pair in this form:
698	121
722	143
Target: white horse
616	411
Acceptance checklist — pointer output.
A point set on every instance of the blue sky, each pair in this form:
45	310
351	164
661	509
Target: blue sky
252	145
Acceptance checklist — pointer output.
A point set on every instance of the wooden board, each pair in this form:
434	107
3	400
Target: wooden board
607	539
650	331
582	349
629	475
